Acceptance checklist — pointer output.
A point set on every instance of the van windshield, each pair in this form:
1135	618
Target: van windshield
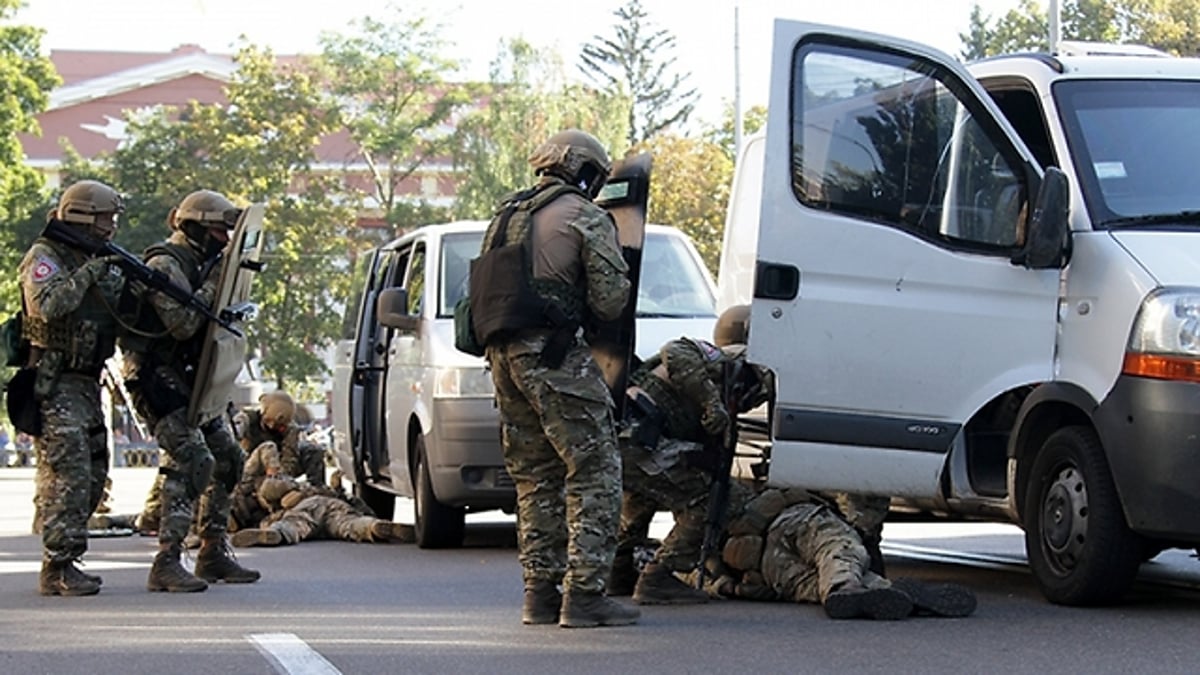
1135	144
673	283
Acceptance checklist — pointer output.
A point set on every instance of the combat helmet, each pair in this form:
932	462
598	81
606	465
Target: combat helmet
85	202
278	410
733	326
205	218
576	157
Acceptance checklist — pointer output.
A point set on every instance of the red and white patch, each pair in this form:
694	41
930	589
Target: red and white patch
43	269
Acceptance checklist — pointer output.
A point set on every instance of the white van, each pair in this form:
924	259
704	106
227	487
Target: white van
415	417
979	288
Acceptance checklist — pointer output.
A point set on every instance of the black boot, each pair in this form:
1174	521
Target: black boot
586	610
659	586
853	602
542	602
168	574
940	599
215	562
61	577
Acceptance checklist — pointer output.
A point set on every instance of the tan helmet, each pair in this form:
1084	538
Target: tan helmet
575	156
733	326
205	217
278	410
274	488
83	201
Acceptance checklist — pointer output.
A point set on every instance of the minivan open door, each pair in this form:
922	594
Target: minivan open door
894	197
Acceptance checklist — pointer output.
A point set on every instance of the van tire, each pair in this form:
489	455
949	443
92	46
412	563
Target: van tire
1080	549
437	525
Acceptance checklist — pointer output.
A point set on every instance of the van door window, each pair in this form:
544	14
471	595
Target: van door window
416	279
883	137
457	252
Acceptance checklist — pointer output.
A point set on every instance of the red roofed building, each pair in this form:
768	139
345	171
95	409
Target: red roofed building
101	88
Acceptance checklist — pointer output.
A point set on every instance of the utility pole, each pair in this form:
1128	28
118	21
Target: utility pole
1055	26
737	87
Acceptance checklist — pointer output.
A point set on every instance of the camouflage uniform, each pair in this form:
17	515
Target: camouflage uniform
70	323
782	544
301	512
270	453
556	423
684	380
200	465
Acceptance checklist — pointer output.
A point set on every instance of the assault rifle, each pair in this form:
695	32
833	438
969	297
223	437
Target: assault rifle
137	270
718	492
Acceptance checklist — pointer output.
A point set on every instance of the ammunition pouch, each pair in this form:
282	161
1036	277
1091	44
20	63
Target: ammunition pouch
646	419
23	408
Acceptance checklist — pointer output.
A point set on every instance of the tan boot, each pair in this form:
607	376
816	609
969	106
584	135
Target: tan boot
253	536
61	577
168	574
215	562
383	530
658	585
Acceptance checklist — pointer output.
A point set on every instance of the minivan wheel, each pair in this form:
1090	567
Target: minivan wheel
1079	547
438	525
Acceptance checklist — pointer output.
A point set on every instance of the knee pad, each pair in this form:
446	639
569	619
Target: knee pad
198	472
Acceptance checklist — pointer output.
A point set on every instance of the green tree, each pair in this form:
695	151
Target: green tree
689	189
1169	25
26	79
258	148
753	120
528	101
397	101
636	61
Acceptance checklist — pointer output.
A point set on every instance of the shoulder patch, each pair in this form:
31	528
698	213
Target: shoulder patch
43	269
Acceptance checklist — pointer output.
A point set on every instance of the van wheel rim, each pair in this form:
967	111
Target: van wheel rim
1064	519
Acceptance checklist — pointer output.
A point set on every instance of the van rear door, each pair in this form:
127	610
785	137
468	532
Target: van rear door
893	196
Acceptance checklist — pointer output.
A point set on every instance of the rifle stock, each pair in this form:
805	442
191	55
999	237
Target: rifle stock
718	492
136	269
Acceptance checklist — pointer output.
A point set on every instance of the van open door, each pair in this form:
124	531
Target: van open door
894	198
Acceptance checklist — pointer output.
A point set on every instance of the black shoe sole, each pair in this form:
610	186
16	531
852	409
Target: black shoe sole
937	599
884	604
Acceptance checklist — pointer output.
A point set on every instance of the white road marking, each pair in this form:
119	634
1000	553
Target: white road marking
290	655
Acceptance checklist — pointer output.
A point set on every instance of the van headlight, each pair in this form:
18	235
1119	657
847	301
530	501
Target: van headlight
1165	341
462	383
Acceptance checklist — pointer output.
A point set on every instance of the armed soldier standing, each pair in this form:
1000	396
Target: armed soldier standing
668	453
201	465
556	264
70	302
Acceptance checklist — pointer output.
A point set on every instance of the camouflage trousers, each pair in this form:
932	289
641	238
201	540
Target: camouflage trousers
186	447
320	517
560	450
680	489
811	551
865	513
72	464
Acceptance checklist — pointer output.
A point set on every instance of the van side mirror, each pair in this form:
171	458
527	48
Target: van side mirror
391	308
1048	239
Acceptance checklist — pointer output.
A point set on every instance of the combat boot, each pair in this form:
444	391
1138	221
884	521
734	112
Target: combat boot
937	599
659	586
382	530
586	610
855	601
61	577
542	602
168	574
215	562
624	576
253	536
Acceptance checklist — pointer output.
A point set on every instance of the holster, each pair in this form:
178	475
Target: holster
23	407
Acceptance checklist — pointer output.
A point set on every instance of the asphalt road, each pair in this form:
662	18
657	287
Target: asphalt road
336	607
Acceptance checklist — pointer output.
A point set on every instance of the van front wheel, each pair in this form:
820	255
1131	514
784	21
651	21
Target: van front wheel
438	525
1079	547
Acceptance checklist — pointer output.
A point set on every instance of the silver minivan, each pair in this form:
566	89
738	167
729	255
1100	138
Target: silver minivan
414	417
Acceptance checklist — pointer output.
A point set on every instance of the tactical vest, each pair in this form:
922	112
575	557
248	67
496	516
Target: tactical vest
86	337
557	304
151	336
